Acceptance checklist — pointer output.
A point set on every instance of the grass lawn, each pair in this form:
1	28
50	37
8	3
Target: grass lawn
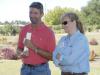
12	67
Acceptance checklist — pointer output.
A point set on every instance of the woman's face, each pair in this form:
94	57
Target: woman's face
68	25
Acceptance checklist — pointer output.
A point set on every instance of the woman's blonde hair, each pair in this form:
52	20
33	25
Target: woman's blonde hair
74	17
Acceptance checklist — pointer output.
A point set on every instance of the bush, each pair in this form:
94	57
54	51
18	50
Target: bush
93	42
8	53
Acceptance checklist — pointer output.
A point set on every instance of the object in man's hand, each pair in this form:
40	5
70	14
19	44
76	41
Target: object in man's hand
26	51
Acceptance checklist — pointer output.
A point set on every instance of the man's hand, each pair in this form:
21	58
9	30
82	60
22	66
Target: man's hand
20	53
29	44
25	53
39	51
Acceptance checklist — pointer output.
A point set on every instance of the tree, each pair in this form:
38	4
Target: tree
92	13
1	23
53	16
9	30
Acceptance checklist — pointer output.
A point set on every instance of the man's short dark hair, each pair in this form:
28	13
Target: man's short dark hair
37	5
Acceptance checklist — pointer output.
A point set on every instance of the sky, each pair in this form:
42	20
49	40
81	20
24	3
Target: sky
19	9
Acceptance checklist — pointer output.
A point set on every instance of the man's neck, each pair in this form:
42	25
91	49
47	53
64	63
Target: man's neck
36	25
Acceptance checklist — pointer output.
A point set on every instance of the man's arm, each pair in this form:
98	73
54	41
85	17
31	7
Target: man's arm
41	52
18	52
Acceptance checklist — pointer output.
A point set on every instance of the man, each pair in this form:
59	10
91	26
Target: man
41	45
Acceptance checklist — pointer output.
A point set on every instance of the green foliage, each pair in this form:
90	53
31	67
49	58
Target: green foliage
89	15
53	16
9	30
92	13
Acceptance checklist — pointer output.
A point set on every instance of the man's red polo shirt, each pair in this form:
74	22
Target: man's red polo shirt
43	37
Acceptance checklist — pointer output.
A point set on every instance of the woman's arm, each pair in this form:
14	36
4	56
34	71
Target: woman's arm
57	49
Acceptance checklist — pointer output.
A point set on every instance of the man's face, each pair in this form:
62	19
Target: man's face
35	15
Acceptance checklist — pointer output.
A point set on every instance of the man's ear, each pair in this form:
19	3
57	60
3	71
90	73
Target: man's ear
42	14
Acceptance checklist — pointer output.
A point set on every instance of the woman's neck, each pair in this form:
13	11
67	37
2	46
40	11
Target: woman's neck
72	32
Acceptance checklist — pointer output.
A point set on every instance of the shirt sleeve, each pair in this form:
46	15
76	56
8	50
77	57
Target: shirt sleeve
80	51
52	42
20	41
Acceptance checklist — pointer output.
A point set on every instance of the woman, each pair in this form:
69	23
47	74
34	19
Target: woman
72	51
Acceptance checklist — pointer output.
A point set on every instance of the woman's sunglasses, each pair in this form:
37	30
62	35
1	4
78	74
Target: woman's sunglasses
64	23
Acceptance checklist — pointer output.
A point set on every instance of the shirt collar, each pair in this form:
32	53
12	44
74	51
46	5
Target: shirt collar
39	26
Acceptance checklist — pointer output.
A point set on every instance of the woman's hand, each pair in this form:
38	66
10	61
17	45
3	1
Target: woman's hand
58	56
